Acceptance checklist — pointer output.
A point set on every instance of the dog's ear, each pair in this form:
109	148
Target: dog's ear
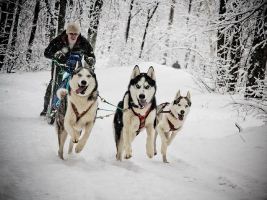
77	66
151	73
188	95
136	72
178	94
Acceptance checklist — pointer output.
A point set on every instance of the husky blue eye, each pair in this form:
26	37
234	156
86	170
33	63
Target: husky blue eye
137	86
147	87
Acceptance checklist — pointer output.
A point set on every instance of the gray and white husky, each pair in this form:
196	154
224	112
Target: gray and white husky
81	102
136	111
170	119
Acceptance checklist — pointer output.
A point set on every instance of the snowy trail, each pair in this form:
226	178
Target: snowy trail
208	160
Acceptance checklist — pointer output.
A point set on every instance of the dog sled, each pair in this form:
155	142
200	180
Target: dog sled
60	78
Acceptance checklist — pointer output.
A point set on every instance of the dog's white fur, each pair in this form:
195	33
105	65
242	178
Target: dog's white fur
81	102
131	121
163	127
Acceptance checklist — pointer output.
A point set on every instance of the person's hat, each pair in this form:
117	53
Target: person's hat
73	27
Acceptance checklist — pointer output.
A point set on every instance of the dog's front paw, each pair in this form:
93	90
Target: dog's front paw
79	147
150	151
150	154
60	154
118	156
128	152
61	93
128	156
164	159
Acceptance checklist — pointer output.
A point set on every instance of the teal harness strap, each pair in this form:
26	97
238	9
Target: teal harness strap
66	76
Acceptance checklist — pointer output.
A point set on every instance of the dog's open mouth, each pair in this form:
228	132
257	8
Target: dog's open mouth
181	117
81	89
142	103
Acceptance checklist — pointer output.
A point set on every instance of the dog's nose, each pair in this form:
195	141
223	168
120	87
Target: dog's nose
83	82
182	112
142	96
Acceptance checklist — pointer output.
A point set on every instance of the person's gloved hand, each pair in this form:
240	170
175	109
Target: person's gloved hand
60	57
90	61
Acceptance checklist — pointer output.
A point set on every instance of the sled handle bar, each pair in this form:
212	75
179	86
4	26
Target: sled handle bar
59	64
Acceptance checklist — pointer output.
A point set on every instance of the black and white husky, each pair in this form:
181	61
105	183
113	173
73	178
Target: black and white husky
81	102
136	111
170	119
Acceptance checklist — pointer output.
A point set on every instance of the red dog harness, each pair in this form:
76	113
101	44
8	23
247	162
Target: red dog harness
172	128
142	118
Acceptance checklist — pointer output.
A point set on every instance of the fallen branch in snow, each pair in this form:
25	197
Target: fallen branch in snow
201	83
238	127
256	105
239	130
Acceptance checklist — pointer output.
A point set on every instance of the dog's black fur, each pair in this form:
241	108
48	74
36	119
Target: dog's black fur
118	121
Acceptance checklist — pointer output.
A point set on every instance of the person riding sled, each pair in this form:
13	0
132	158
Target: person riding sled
66	49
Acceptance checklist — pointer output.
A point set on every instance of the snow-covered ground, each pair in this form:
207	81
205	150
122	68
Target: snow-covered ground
209	159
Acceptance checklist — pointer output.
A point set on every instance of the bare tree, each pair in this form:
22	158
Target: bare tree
187	54
170	22
94	16
52	16
150	13
61	16
258	59
129	21
11	51
33	30
235	57
6	23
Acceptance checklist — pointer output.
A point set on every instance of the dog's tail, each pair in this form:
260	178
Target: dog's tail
61	93
118	123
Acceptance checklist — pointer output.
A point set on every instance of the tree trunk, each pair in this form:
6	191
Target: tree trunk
235	54
94	17
258	59
13	55
61	16
129	21
33	31
51	19
187	54
221	38
167	42
221	52
6	21
149	17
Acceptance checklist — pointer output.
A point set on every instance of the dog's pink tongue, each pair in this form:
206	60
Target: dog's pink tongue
143	103
80	90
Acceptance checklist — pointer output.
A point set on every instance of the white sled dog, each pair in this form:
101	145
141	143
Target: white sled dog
170	119
81	103
136	111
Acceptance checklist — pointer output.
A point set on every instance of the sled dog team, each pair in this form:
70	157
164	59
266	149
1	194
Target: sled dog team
137	111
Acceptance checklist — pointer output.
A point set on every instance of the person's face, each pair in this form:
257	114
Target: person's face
72	37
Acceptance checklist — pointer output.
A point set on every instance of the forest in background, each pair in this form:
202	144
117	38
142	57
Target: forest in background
223	43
